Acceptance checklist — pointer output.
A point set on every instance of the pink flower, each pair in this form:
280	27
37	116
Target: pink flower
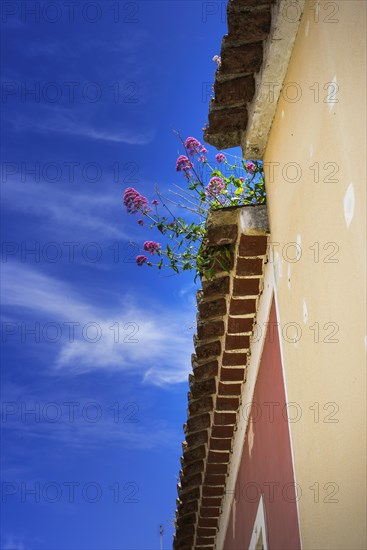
220	158
134	201
140	260
250	167
183	164
241	179
215	186
155	202
193	146
151	246
140	222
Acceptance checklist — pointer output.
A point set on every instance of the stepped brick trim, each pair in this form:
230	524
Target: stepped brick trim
226	315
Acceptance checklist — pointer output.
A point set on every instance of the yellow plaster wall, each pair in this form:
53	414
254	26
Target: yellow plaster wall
326	380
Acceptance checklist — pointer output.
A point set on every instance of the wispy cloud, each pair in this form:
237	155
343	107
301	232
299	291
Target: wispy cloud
151	341
62	121
63	210
12	542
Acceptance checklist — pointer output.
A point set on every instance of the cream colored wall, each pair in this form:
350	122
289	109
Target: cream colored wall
310	292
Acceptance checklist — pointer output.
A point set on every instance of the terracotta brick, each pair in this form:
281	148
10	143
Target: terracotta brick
213	491
229	389
236	325
220	444
194	468
253	245
222	431
184	543
188	508
237	342
210	329
222	234
196	439
242	307
219	286
239	22
215	457
205	541
227	403
194	494
237	91
212	308
207	522
209	512
206	532
206	371
234	359
191	482
230	119
198	423
224	419
192	455
249	266
211	502
241	59
187	531
246	287
214	479
216	469
206	351
201	405
203	388
232	375
186	520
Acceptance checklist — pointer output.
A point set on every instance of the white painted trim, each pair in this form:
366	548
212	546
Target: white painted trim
259	527
286	16
262	317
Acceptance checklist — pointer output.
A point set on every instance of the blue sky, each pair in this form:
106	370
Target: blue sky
98	348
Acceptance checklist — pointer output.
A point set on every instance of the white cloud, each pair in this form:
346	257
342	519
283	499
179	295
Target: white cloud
148	340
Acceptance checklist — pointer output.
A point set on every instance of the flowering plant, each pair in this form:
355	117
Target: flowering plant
208	187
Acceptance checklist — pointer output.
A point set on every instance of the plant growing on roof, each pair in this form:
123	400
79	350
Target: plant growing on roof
207	187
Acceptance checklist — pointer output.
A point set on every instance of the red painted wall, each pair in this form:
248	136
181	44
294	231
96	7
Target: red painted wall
267	469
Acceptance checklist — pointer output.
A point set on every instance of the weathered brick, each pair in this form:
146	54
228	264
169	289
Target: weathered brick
225	419
215	457
218	286
188	508
249	266
207	522
205	541
253	245
234	359
206	370
237	342
222	431
197	439
203	388
210	329
200	406
217	444
209	512
213	491
191	455
241	59
212	308
198	423
232	375
242	307
246	287
205	351
239	24
186	520
222	234
230	119
206	532
229	389
237	325
214	479
216	469
237	91
194	494
227	403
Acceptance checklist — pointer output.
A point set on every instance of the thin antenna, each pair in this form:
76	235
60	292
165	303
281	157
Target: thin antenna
161	537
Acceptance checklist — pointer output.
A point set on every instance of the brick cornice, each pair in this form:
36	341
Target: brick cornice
227	308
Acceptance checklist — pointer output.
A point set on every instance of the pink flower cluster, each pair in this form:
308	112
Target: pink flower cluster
134	201
215	186
140	260
193	146
220	158
250	167
151	246
183	164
